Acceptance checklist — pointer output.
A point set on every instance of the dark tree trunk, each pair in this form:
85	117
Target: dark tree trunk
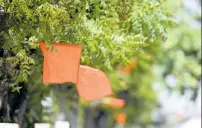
64	114
95	118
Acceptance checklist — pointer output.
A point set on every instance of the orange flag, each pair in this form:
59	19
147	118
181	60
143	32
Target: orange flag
130	67
92	83
60	64
121	118
114	102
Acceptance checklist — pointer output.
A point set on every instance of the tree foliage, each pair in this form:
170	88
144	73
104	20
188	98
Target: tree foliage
111	32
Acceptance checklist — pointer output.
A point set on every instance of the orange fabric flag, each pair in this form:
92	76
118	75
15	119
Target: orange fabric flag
92	83
60	64
130	67
120	118
114	102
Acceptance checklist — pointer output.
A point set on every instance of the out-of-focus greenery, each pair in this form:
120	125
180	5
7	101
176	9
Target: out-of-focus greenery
181	53
111	32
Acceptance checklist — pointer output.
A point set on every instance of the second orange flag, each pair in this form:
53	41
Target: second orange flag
92	83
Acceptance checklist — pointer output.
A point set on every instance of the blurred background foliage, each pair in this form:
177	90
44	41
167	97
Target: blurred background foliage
180	59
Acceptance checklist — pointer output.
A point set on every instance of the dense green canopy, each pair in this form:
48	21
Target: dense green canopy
111	32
